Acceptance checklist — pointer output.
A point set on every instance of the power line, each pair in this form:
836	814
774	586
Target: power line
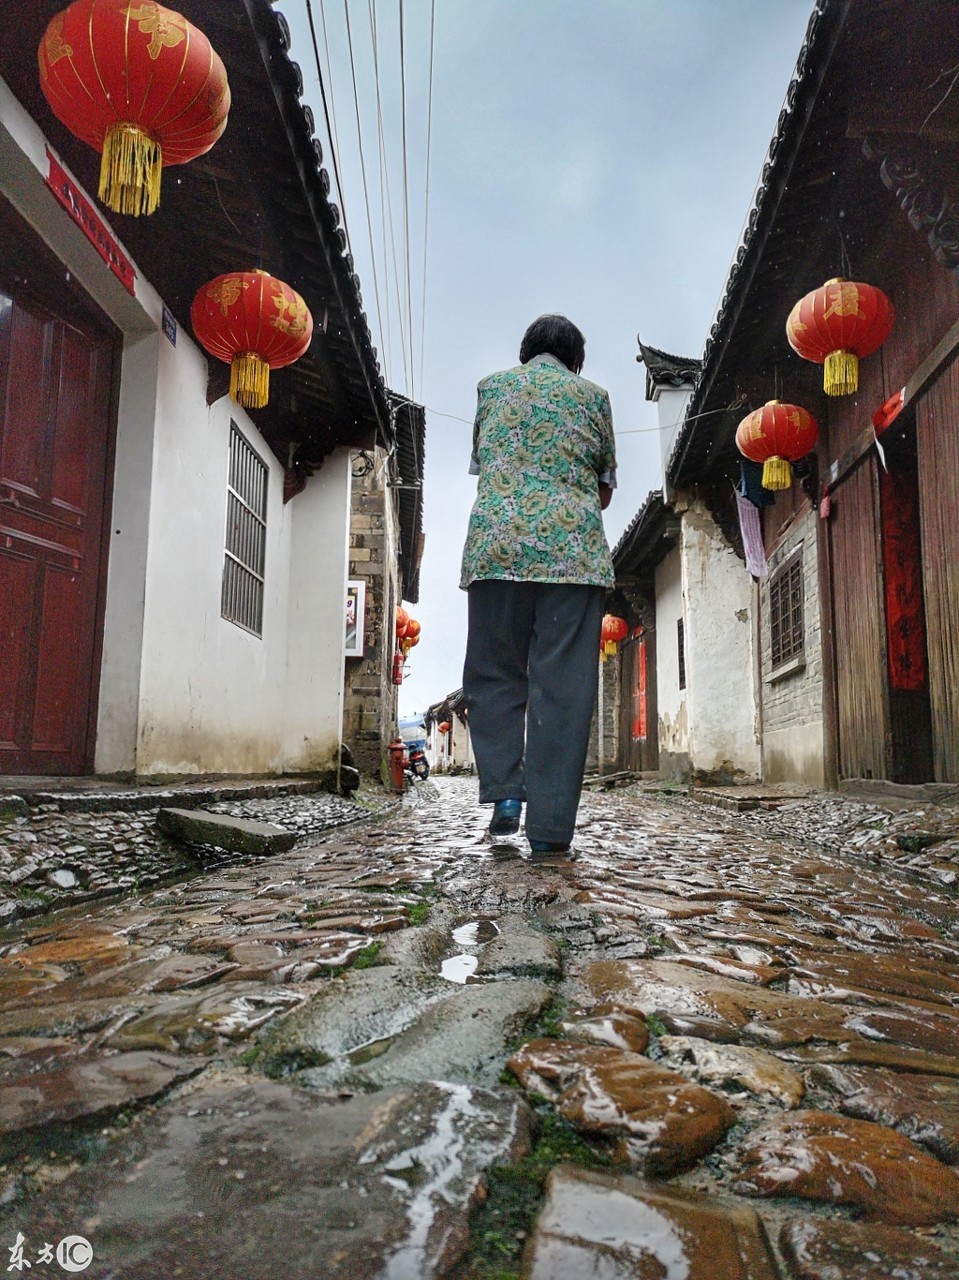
366	190
328	114
426	207
385	183
406	196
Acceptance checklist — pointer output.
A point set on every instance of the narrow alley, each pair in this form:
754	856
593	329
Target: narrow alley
715	1045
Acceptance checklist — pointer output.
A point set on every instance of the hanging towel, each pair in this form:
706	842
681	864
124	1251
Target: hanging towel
751	530
751	483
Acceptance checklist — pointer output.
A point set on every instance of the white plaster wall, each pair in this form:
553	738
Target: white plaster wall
720	654
670	699
670	406
793	728
316	611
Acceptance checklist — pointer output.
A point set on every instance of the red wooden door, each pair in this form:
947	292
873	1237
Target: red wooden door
56	381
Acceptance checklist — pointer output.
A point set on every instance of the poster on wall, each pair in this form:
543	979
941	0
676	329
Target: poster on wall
355	618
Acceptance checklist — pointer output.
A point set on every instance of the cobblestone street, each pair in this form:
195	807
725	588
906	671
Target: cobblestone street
708	1047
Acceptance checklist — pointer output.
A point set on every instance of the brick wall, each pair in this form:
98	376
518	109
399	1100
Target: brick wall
370	697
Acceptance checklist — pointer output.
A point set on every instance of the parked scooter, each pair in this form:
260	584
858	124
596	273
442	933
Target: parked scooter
419	766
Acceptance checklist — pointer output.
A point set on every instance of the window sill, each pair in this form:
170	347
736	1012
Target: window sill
787	669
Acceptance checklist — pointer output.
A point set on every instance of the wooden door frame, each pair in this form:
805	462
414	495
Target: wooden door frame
15	228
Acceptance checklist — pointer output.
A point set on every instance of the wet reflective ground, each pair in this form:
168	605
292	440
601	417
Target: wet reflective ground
758	1038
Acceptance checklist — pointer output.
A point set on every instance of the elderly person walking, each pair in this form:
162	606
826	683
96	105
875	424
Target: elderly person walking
536	566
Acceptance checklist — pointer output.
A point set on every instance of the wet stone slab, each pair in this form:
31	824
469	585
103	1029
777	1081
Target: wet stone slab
660	1122
924	1108
238	835
734	1066
82	1089
837	1160
818	1250
599	1227
261	1179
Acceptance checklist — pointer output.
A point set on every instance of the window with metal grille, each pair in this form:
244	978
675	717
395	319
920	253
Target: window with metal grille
245	558
681	651
786	611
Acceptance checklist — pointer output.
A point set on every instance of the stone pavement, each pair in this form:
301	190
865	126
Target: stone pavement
704	1050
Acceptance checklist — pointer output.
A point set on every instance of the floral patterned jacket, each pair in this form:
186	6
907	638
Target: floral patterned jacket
542	441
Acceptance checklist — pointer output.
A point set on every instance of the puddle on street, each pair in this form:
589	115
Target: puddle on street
373	1049
461	967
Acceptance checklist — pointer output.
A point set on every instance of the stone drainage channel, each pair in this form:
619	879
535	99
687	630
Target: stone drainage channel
696	1053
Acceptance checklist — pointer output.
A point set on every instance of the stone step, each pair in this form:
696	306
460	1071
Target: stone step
239	835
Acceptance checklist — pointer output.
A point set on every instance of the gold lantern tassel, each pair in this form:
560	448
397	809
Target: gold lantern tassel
841	373
777	473
130	169
250	380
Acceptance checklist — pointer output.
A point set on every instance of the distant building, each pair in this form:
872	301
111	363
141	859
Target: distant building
450	750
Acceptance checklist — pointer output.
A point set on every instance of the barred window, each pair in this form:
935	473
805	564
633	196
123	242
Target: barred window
786	611
245	558
681	651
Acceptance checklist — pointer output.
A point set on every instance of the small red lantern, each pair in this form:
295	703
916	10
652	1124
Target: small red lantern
614	630
776	435
254	323
402	622
445	727
138	83
837	326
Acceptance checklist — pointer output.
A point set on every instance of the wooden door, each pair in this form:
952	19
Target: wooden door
938	447
638	727
860	629
56	413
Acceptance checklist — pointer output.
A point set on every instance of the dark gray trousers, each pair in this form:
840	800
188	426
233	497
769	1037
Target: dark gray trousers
530	680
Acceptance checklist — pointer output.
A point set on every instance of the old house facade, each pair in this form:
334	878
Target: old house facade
172	566
857	613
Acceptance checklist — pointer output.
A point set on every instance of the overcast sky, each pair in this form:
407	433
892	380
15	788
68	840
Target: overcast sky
596	159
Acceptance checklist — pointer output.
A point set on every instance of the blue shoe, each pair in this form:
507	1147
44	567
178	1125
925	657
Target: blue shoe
548	846
505	819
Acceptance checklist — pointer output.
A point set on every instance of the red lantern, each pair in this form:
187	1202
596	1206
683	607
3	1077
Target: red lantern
138	83
402	621
776	435
614	630
411	637
445	727
254	323
837	326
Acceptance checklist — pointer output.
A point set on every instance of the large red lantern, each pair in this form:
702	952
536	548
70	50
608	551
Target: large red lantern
254	323
444	727
138	83
614	630
776	435
402	621
837	326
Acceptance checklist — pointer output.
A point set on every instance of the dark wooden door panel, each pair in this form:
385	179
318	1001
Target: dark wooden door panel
56	413
859	627
938	445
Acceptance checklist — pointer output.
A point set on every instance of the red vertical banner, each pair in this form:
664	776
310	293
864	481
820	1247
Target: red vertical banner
902	563
639	693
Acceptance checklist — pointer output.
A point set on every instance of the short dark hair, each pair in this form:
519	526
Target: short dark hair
556	336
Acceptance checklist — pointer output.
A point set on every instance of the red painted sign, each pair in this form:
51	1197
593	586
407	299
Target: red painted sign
639	694
90	223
